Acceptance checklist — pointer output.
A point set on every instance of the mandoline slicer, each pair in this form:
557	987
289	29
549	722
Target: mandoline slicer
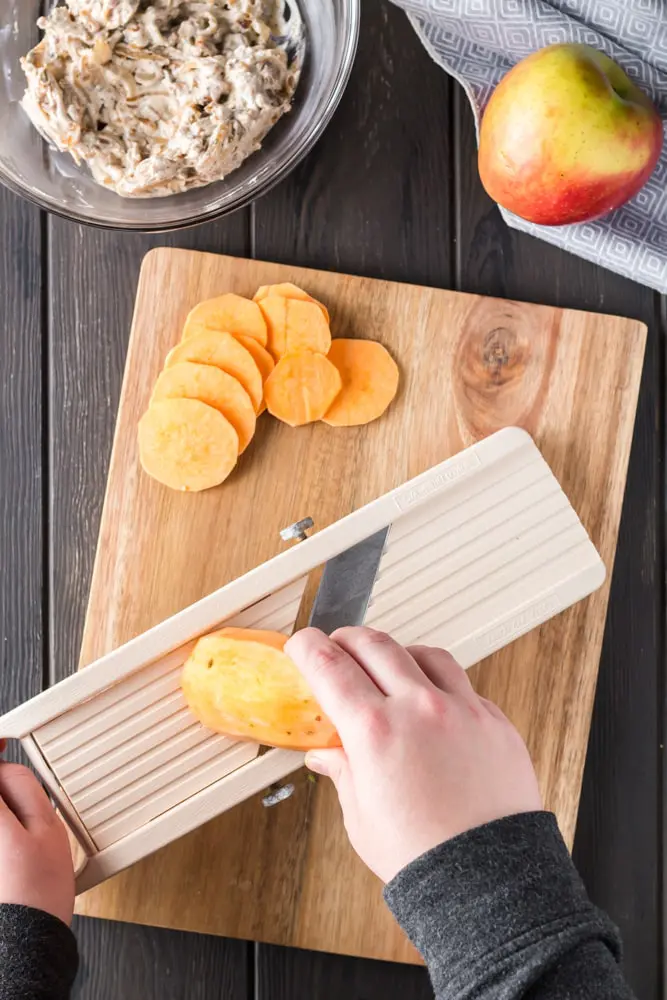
479	550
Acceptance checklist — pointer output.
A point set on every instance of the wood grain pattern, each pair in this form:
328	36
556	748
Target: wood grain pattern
618	844
23	595
21	634
91	289
375	197
149	964
288	973
393	220
372	198
567	377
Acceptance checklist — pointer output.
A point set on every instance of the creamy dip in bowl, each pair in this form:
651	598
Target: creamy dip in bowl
126	185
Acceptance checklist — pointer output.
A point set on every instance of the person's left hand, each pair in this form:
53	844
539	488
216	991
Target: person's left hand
35	858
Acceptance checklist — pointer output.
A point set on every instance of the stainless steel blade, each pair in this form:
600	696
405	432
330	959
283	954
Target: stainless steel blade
346	585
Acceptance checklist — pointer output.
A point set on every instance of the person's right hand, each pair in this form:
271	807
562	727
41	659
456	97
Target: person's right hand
35	857
424	758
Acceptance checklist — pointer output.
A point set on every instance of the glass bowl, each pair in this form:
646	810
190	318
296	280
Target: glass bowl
51	179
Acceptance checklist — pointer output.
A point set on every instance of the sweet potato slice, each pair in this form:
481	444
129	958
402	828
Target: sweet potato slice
187	445
274	309
289	291
241	683
301	388
370	381
306	329
275	639
294	325
263	359
212	386
223	351
261	356
228	313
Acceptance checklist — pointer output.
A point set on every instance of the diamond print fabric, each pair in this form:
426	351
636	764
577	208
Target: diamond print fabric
478	41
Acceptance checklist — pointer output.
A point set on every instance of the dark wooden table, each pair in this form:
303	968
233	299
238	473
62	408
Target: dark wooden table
391	191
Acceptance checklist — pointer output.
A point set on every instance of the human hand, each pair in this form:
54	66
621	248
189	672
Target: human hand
35	858
424	758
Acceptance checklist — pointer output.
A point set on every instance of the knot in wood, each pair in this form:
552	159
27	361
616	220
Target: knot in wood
503	356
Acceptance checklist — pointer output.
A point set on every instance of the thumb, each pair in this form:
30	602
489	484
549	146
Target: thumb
331	763
335	765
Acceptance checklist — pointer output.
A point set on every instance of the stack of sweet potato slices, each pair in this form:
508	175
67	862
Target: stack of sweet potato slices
241	356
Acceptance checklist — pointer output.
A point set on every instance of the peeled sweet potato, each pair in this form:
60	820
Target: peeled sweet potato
263	360
240	682
261	356
294	325
267	637
222	350
228	313
274	308
211	385
370	381
187	445
301	388
289	291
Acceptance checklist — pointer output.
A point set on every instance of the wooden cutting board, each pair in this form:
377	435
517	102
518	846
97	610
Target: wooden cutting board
470	365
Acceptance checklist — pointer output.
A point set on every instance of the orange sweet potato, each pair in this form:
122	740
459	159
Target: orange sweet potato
289	291
241	683
228	313
222	350
261	356
275	639
274	309
187	445
301	388
263	360
370	381
294	325
211	385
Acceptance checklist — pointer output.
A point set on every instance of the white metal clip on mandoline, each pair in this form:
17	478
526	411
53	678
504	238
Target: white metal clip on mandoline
477	551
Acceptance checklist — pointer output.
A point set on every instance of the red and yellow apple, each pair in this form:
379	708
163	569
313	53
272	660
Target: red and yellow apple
567	137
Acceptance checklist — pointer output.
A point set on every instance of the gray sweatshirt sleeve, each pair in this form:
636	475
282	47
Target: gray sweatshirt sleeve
500	913
38	955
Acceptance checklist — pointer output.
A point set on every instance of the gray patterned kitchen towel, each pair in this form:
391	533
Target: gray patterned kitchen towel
478	41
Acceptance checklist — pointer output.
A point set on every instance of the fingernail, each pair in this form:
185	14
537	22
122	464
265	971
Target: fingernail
316	764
